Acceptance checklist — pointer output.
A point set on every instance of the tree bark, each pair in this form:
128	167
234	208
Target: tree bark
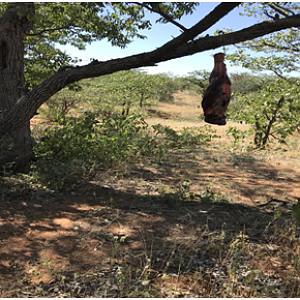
18	107
15	147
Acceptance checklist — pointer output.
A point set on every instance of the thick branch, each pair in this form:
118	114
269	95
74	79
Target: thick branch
250	33
212	18
34	99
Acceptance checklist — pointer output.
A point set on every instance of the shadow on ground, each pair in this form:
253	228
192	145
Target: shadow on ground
121	235
49	239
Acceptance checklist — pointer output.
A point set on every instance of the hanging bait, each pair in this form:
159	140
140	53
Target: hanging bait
217	96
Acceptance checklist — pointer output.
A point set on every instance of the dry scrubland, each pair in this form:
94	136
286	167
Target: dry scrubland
213	221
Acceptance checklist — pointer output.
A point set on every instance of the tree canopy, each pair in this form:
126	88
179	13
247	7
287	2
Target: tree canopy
277	51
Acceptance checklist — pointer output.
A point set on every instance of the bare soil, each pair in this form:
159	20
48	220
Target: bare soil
194	226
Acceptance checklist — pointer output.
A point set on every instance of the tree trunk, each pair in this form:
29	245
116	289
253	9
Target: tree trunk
141	101
15	145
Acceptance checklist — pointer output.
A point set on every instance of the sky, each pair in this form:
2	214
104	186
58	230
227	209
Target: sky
162	33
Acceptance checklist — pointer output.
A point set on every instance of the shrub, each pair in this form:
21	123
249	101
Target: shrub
82	146
186	137
58	106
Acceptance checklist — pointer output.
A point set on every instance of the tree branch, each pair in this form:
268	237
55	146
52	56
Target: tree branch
284	8
168	18
278	10
212	18
269	16
278	73
272	120
250	33
50	30
285	48
26	107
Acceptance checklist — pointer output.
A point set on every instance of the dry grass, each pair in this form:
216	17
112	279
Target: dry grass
188	227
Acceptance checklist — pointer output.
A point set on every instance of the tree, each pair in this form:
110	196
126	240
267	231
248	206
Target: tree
27	39
127	89
273	111
270	109
278	51
198	81
120	92
165	87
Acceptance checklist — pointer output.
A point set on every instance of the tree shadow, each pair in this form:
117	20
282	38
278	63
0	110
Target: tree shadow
101	226
105	228
242	175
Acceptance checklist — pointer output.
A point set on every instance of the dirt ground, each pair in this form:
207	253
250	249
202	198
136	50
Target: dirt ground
171	230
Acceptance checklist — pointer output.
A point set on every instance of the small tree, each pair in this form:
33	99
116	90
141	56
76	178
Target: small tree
59	105
197	81
166	86
125	89
271	110
274	109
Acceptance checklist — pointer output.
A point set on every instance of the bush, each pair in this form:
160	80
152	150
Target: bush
59	105
82	146
79	148
238	135
186	137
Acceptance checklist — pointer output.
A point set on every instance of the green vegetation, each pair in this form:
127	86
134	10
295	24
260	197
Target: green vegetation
147	211
129	193
268	104
80	147
124	92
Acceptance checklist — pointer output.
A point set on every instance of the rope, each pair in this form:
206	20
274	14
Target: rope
224	50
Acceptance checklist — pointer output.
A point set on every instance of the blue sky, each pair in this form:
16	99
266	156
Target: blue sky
160	34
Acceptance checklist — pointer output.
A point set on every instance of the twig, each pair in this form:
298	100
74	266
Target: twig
278	10
272	200
285	8
290	48
268	15
50	30
164	15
